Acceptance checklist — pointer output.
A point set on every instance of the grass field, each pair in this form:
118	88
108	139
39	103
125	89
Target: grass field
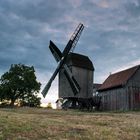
43	124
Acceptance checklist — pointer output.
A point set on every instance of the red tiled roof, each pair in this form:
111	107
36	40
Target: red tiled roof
118	79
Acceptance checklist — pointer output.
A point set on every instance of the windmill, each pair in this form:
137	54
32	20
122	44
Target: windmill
61	58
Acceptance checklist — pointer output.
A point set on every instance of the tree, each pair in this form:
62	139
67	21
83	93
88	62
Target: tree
0	93
31	101
2	96
19	83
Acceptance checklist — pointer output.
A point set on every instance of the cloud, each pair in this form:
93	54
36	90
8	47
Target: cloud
133	8
75	3
103	4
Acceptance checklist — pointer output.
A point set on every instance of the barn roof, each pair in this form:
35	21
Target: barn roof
96	85
118	79
79	60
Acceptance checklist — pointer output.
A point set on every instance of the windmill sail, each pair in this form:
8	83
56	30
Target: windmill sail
72	81
55	51
72	42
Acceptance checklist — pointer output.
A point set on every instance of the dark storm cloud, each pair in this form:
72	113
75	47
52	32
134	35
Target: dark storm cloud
41	11
133	8
26	28
21	39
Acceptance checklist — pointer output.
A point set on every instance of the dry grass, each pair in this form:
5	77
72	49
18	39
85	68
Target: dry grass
42	124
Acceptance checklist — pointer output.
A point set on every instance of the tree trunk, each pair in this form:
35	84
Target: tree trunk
12	102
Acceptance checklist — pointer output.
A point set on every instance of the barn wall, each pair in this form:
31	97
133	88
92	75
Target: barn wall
85	79
114	99
133	89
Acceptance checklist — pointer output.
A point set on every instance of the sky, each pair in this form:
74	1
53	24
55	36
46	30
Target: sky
110	39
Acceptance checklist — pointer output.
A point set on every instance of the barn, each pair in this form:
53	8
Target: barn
82	69
121	90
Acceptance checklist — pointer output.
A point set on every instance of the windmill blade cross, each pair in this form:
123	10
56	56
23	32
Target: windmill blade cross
72	81
74	38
